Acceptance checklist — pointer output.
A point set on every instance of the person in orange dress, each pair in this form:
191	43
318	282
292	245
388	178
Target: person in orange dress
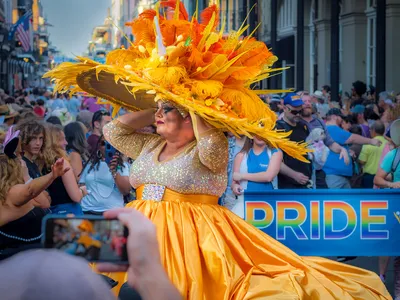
193	83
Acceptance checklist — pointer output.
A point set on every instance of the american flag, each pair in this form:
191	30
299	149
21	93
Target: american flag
24	34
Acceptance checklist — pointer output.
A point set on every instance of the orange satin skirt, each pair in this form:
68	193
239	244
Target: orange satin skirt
210	253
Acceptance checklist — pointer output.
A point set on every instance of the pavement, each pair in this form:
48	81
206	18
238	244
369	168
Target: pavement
371	263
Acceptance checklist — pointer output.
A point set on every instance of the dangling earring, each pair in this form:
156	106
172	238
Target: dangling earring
98	153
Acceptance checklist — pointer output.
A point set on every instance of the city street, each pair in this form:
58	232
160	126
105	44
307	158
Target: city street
371	263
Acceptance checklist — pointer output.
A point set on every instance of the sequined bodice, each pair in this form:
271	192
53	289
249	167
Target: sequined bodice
201	168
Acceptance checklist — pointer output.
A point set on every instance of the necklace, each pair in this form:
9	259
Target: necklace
97	187
21	239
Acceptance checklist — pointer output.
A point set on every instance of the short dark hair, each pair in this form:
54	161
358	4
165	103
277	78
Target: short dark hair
359	87
378	127
54	120
98	116
40	102
369	113
326	88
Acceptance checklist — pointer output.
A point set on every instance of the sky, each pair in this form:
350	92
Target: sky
73	22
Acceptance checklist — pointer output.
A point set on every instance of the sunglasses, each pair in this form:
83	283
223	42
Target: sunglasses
166	109
294	112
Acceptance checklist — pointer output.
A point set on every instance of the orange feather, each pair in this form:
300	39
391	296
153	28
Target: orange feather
143	31
171	4
207	13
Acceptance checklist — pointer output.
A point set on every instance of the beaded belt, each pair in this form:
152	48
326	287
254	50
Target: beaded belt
159	193
153	192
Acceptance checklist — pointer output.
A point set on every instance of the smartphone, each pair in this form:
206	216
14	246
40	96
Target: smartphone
347	94
91	237
110	152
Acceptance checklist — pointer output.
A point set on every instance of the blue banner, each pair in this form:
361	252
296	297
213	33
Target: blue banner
329	222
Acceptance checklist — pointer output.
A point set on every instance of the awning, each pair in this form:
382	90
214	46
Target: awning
19	66
13	66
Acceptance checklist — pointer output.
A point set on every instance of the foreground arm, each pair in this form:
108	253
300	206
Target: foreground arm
146	273
21	194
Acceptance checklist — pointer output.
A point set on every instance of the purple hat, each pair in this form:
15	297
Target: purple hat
10	143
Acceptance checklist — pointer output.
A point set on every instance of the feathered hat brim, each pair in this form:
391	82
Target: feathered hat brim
190	63
103	85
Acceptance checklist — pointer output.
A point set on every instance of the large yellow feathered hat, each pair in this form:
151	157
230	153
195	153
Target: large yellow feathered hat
190	63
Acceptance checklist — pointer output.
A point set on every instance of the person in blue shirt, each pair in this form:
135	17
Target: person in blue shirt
336	170
73	104
388	176
255	169
390	164
106	184
58	103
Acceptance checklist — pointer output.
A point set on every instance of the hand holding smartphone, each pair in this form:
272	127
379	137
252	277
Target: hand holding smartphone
91	237
110	152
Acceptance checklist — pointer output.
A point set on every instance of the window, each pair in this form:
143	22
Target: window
371	43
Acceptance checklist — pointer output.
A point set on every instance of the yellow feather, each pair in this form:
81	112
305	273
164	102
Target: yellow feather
176	14
206	32
206	88
165	76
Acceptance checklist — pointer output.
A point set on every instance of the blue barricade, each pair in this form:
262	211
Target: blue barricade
329	222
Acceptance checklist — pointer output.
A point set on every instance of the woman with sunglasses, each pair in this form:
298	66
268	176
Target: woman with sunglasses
107	182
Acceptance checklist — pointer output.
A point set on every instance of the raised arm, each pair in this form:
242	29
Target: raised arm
70	184
121	132
21	194
360	140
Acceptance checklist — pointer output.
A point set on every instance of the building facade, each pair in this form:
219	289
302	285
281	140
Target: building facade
357	35
21	68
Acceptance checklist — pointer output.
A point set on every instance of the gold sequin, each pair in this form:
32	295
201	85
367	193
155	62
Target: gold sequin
200	169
